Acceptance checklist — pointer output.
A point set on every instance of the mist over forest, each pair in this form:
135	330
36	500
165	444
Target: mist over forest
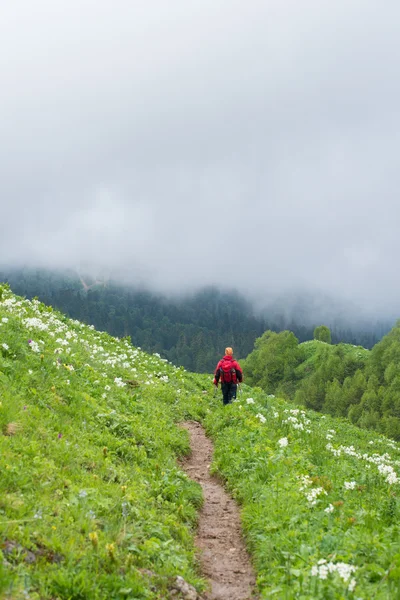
191	330
251	145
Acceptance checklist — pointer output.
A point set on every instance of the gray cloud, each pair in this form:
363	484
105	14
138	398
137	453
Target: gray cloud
184	143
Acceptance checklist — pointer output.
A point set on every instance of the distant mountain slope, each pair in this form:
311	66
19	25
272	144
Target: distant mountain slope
191	331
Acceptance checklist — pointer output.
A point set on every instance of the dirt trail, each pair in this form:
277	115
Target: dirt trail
224	558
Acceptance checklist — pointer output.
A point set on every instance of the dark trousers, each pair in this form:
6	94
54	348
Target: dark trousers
228	392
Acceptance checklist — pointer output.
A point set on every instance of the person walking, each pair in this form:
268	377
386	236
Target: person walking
229	372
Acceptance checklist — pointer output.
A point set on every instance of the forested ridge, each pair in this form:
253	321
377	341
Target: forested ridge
338	379
191	331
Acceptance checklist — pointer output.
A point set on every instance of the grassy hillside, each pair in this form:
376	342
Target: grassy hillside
320	500
94	506
90	483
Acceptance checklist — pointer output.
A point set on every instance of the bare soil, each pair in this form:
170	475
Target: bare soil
224	559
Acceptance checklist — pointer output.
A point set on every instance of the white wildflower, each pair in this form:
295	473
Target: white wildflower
283	442
352	585
323	569
350	485
313	494
35	323
118	382
392	478
323	572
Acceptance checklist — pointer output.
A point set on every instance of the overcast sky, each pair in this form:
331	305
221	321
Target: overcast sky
250	143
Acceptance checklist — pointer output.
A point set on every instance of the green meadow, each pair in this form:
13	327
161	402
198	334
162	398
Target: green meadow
94	504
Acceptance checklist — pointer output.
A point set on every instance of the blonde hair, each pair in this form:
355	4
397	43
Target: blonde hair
229	351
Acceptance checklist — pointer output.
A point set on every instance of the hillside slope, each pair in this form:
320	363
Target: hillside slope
337	379
94	505
90	482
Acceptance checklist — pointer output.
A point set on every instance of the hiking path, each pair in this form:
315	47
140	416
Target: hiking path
223	555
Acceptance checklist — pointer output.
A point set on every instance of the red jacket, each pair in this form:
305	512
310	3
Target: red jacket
227	363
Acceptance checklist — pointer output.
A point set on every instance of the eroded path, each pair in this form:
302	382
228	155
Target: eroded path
224	559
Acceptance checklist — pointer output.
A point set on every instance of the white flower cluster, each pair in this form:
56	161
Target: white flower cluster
118	382
350	485
305	480
389	472
382	461
283	442
34	346
323	568
250	401
261	417
329	508
35	323
297	419
313	493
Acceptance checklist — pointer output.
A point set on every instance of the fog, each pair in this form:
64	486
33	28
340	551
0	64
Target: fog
187	143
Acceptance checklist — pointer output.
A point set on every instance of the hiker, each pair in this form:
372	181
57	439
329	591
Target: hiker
229	372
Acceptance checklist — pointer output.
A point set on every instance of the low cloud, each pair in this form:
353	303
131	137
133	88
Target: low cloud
180	144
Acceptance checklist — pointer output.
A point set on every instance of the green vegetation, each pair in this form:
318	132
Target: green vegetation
320	500
323	334
342	380
191	331
91	496
94	505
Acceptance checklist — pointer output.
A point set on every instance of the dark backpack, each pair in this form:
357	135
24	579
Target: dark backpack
227	373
